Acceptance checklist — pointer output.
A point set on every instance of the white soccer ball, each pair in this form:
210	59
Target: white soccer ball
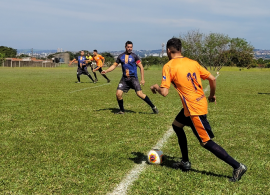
155	156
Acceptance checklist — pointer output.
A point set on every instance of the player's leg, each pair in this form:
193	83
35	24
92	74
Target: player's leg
100	70
79	72
119	97
136	85
94	72
122	87
87	73
180	121
203	132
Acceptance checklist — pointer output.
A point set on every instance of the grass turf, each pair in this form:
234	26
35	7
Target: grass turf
61	137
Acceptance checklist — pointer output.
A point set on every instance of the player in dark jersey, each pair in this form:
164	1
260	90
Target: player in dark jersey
82	68
129	80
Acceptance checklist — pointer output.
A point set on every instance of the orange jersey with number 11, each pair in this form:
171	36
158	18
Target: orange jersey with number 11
185	74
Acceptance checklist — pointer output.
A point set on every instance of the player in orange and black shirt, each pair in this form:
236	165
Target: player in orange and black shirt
130	61
99	59
185	75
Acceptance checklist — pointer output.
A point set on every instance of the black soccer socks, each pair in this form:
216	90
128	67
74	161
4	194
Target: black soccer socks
90	77
121	105
78	77
95	75
182	141
148	101
105	76
219	152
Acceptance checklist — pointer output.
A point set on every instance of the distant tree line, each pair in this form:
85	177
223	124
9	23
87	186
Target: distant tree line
212	50
263	63
154	60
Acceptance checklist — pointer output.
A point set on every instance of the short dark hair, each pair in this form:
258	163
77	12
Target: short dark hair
128	42
95	50
174	44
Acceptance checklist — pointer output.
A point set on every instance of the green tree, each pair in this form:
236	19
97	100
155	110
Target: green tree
109	58
216	50
2	58
241	52
8	52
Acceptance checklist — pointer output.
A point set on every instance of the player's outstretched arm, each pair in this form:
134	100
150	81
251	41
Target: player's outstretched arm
71	62
161	90
142	73
212	83
112	67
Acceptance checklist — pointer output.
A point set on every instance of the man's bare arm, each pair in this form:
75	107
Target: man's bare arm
212	83
112	67
161	90
72	62
142	73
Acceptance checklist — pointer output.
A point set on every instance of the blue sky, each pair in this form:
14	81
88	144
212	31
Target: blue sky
106	25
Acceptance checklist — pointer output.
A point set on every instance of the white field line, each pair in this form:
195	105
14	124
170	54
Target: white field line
133	175
89	88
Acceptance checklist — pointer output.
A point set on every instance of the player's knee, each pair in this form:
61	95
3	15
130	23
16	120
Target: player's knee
118	96
140	94
203	143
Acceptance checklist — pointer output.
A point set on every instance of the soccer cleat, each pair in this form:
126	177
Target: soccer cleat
237	173
96	80
108	80
120	112
155	110
185	166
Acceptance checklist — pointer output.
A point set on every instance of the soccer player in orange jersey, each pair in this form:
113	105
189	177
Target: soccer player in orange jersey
185	75
99	59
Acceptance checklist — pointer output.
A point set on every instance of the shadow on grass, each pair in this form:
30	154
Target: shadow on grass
264	93
168	162
116	110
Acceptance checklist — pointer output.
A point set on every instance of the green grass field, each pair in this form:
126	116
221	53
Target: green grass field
60	137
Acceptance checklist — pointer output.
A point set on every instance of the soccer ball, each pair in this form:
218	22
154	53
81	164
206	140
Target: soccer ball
155	156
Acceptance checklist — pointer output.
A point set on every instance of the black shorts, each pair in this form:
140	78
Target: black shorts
199	125
100	69
89	64
82	70
126	84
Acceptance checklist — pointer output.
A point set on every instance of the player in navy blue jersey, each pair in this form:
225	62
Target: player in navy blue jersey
82	68
129	80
